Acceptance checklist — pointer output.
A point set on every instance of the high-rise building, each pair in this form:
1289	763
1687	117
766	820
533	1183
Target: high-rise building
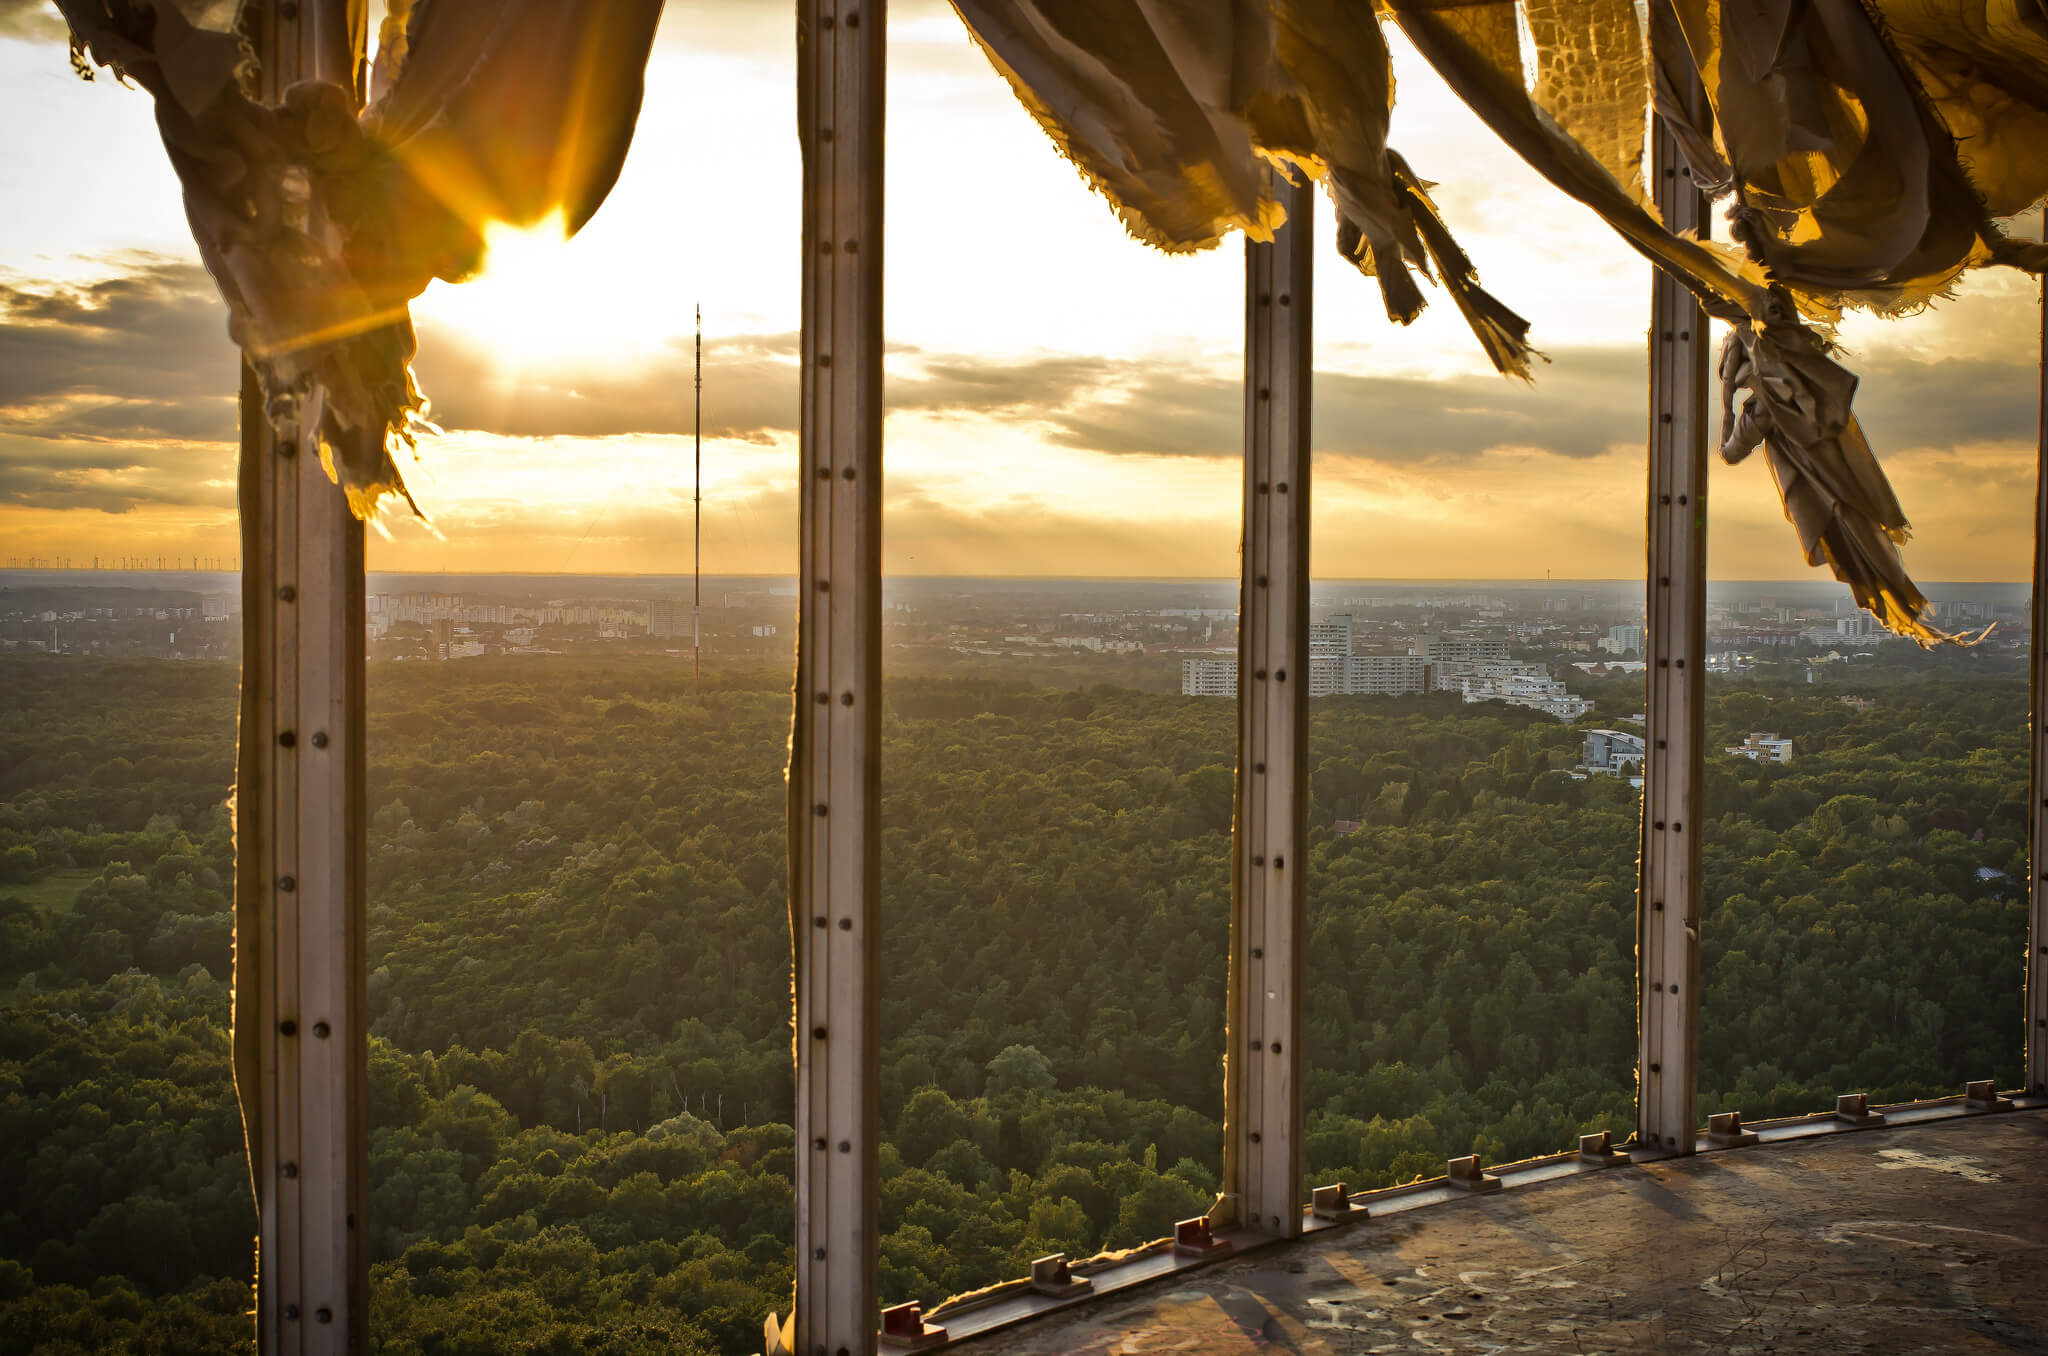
662	618
1208	677
1450	647
1388	675
1327	675
1623	640
1331	636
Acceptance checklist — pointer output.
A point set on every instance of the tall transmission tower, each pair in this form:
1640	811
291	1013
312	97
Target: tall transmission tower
697	527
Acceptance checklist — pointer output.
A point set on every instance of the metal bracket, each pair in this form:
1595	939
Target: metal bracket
1191	1238
1724	1131
1334	1202
1052	1276
1982	1095
1599	1150
1466	1175
904	1329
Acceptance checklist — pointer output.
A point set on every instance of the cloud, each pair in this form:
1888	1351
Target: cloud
750	390
141	354
124	377
1947	403
1589	400
115	477
32	21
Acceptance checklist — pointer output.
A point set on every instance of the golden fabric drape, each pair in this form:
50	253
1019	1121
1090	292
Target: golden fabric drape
320	225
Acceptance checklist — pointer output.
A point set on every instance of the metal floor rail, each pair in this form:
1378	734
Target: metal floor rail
1004	1306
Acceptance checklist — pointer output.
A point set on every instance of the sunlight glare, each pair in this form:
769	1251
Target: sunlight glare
537	300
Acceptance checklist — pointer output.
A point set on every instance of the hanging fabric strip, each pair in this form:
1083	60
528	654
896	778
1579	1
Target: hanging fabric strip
1176	110
1794	397
319	226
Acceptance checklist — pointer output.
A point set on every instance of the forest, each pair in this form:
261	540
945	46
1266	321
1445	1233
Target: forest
580	1059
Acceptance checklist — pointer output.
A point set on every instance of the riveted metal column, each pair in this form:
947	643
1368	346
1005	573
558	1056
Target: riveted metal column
300	1027
1668	892
2037	819
1262	1067
835	757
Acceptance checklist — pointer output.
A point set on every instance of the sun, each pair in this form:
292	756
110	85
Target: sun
538	300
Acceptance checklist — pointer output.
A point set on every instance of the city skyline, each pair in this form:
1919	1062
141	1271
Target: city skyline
1064	407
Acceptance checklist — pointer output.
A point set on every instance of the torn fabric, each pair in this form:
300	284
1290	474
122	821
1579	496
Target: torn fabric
1796	406
1835	202
319	224
1179	111
1866	148
1845	183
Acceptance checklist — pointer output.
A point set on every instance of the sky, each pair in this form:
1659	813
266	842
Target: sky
1062	400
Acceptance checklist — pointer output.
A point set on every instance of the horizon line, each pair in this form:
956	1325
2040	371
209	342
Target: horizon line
1402	580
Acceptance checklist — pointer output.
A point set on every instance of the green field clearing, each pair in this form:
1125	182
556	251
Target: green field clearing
51	890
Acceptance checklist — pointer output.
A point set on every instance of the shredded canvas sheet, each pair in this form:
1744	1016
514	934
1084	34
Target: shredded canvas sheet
1865	149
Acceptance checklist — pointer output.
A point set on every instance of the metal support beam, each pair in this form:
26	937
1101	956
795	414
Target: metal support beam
1668	892
835	753
300	1027
2037	819
1262	1068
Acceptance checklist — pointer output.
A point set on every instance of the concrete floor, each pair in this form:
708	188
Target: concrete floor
1928	1238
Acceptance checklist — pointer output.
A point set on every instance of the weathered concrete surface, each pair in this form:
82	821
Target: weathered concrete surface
1930	1238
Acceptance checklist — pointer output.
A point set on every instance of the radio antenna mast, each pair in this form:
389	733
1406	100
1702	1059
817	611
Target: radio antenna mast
697	528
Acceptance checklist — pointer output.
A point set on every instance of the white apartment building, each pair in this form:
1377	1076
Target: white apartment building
1208	677
1607	751
1623	639
1331	636
1763	747
1536	691
1450	647
1328	675
1331	672
1450	676
1388	675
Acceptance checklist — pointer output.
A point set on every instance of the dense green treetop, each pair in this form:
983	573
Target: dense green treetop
580	1062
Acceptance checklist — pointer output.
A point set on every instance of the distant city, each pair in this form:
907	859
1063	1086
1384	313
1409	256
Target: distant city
1524	643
